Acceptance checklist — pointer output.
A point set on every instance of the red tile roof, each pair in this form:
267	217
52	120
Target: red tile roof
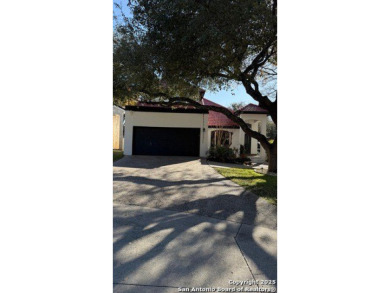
252	108
218	119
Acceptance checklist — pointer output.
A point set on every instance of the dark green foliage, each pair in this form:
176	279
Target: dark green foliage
225	155
242	160
176	46
221	154
271	130
242	150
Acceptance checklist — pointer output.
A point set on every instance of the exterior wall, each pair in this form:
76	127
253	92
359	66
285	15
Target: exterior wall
121	113
116	143
254	126
255	120
162	119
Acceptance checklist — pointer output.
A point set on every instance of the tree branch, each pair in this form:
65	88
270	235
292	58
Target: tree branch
261	58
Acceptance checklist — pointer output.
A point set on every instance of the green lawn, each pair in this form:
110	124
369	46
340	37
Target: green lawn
117	155
260	184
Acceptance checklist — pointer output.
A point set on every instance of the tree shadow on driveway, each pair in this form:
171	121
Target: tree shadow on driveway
164	248
178	223
151	162
161	183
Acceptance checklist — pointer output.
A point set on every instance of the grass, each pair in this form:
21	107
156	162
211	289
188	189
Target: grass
260	184
117	155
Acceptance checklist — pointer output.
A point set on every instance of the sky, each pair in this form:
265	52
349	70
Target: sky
226	98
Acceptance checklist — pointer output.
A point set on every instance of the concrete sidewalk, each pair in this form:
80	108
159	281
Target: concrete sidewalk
158	250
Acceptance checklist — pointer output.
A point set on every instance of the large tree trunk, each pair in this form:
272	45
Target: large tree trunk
272	157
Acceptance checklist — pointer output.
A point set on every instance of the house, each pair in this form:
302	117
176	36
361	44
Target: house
118	130
153	129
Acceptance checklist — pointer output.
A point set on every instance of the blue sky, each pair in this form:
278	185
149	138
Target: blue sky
225	98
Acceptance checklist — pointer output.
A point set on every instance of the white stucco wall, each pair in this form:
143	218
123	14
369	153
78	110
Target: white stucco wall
159	119
254	120
254	127
119	111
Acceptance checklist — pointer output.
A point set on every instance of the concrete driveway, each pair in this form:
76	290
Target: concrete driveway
178	224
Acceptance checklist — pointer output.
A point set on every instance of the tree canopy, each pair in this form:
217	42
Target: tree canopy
178	46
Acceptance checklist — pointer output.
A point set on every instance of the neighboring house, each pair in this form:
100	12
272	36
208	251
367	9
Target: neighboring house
186	131
118	130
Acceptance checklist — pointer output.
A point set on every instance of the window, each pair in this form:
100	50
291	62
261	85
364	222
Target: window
221	138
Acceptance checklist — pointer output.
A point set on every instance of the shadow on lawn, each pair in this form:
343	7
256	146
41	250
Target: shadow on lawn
264	186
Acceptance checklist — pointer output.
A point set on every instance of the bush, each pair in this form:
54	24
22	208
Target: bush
221	154
271	130
242	151
226	155
242	160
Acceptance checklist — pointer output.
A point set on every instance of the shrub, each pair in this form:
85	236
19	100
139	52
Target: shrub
271	130
226	155
221	154
242	160
242	152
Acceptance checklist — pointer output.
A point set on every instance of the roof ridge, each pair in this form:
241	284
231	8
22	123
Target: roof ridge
246	106
216	104
253	108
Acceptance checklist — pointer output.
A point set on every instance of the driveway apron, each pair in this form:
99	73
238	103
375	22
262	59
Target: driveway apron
178	223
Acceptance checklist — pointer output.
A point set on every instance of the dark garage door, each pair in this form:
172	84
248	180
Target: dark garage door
164	141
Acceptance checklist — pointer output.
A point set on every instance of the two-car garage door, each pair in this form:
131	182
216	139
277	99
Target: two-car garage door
166	141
